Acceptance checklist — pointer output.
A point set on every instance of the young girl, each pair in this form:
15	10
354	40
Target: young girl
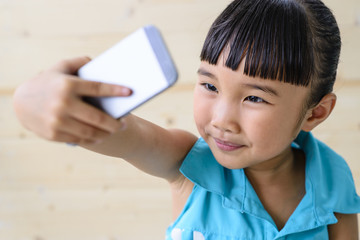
265	81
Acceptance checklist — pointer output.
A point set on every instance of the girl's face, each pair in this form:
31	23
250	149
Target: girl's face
247	122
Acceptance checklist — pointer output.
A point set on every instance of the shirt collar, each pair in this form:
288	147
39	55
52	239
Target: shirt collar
201	167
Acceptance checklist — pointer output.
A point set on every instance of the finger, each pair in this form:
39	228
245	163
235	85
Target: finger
70	66
94	117
72	140
64	137
99	89
82	131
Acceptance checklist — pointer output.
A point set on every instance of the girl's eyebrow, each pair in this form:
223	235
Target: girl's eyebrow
205	73
266	89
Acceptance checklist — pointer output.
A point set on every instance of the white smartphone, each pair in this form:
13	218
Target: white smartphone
140	62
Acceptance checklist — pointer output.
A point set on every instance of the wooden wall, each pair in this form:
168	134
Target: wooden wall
51	191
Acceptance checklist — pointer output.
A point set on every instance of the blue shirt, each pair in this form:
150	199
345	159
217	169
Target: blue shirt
223	204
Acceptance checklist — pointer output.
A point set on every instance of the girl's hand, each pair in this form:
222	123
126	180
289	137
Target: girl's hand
51	105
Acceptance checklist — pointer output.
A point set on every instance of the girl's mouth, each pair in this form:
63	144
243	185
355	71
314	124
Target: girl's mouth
227	146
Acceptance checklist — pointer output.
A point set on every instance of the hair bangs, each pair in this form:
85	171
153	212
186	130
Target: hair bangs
272	38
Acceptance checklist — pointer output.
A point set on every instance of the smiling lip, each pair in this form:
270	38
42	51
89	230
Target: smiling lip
227	146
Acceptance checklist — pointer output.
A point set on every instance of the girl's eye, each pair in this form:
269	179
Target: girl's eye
210	87
255	99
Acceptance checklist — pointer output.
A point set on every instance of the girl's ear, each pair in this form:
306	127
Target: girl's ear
319	113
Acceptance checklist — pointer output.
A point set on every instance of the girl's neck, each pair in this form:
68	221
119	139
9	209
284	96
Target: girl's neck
280	187
285	167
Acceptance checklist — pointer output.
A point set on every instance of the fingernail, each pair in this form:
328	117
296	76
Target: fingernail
125	91
123	124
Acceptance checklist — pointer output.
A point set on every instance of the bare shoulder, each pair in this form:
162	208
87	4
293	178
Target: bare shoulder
181	187
345	228
181	142
183	137
180	192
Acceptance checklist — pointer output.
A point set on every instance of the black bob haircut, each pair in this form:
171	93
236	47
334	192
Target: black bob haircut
293	41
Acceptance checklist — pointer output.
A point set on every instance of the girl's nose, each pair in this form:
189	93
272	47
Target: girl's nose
225	118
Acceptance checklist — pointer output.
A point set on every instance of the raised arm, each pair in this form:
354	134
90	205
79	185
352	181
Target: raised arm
51	106
150	148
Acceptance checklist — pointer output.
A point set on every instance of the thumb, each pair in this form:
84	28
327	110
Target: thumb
71	66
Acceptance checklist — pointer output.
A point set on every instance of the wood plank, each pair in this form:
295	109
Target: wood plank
53	191
30	43
349	67
58	192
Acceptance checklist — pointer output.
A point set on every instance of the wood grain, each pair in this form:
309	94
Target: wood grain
51	191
